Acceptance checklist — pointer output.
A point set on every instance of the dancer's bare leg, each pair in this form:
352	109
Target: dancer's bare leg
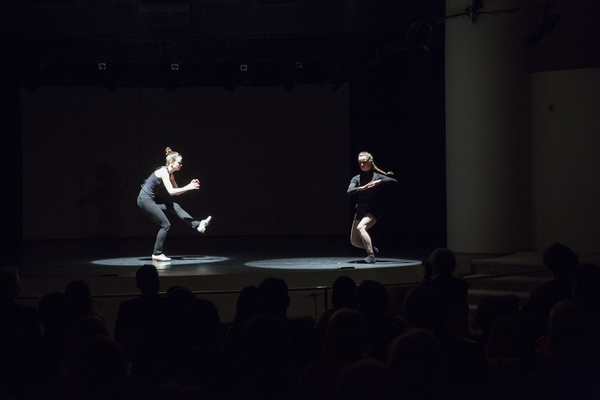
355	239
359	237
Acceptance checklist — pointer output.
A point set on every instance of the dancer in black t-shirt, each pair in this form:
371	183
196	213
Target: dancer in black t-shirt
370	205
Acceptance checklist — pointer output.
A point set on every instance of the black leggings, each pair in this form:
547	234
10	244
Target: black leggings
155	210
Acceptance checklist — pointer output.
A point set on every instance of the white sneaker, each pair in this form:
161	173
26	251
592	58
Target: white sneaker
160	257
203	224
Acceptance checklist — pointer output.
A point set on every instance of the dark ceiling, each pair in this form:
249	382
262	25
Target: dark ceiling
203	43
249	42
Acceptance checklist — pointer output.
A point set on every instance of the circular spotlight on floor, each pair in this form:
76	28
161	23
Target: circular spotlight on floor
320	263
175	261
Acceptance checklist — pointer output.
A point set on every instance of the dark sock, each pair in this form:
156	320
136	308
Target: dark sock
370	258
375	250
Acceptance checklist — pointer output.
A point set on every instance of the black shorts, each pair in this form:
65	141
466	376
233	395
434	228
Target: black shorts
363	209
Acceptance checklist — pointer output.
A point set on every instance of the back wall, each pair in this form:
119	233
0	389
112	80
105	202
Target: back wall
270	161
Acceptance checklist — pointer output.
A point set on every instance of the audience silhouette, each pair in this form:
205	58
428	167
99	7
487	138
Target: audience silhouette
173	346
438	274
416	357
97	370
79	294
139	325
342	296
464	368
246	308
269	368
347	340
561	261
569	354
19	336
55	316
15	319
177	300
372	302
273	299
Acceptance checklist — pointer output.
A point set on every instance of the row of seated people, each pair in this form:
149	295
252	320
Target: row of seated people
172	346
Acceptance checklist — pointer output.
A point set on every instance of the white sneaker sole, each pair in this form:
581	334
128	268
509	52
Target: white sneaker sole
161	257
203	224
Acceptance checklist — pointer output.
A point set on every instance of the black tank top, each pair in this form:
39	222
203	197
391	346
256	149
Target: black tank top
152	184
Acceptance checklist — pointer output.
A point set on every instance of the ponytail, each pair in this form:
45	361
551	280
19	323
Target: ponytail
382	171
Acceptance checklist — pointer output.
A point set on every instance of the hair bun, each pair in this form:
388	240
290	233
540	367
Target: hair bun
168	150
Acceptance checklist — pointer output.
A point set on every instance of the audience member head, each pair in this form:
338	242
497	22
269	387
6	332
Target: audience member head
201	325
54	311
442	261
86	327
80	295
146	279
179	294
343	293
247	305
424	308
347	336
367	379
415	356
9	283
560	259
177	300
266	342
98	369
371	299
273	296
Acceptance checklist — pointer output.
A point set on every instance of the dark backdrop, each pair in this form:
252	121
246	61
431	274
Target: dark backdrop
270	161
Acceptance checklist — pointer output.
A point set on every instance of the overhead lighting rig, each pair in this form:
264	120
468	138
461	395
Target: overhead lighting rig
545	28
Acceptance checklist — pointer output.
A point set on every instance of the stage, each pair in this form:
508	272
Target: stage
200	256
216	268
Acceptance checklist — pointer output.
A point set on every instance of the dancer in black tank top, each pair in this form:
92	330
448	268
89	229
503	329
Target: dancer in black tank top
154	207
